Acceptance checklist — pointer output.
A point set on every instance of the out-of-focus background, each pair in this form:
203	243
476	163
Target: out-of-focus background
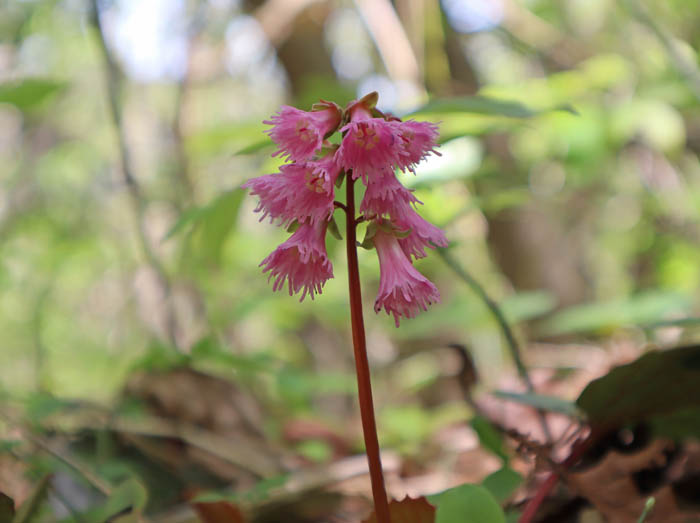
569	188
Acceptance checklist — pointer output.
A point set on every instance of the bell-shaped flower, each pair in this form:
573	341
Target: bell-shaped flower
403	291
299	134
418	140
422	233
302	261
370	145
386	197
302	191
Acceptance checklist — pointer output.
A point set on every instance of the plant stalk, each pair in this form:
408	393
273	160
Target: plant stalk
364	385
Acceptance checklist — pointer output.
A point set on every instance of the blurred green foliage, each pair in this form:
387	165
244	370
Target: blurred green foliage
569	186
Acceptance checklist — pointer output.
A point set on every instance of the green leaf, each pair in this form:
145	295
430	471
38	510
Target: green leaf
29	93
540	401
502	483
525	306
368	242
674	322
255	147
484	105
159	357
489	437
513	516
639	309
128	496
316	450
188	217
678	425
299	385
477	105
29	508
467	504
210	351
259	492
42	405
242	137
7	445
219	223
333	229
210	225
659	383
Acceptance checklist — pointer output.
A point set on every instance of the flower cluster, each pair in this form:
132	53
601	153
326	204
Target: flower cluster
302	196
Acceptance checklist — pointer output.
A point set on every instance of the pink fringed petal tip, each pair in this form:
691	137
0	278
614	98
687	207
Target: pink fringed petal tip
301	261
403	291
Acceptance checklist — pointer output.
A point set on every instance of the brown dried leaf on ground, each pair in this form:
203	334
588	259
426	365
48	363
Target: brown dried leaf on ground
215	411
409	510
13	478
199	399
612	485
219	512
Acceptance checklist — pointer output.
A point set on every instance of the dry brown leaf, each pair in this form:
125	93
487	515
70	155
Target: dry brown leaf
219	512
408	510
610	487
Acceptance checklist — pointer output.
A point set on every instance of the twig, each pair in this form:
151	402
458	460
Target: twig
37	328
511	343
687	68
183	176
315	478
113	77
246	453
187	188
390	39
276	17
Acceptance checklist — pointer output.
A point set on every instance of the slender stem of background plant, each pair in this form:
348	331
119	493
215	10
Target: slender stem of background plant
546	487
540	495
185	185
498	315
648	507
39	312
685	65
113	78
364	385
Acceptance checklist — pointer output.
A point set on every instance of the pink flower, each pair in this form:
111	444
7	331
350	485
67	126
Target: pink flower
302	191
418	139
300	134
385	196
301	260
423	233
370	145
403	291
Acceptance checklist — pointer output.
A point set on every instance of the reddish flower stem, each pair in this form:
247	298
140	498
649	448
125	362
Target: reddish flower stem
364	385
